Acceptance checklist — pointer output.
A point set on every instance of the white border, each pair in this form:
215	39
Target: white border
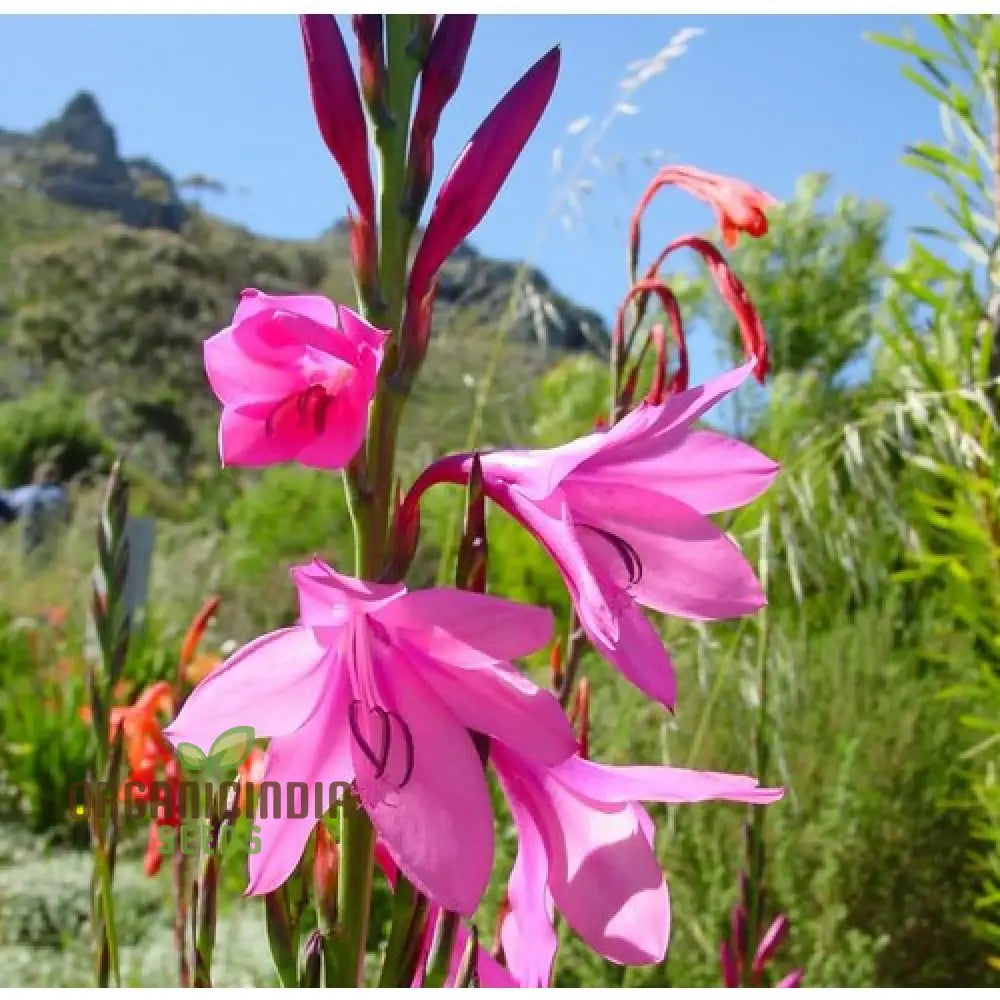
708	7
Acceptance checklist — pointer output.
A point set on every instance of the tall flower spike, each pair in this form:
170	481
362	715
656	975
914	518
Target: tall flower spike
337	105
471	187
439	80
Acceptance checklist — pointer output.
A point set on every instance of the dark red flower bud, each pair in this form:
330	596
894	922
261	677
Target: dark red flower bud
440	78
337	105
370	31
480	171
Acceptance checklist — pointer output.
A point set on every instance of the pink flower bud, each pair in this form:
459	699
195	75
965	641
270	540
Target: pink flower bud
730	968
791	981
337	106
403	538
738	929
438	83
772	940
444	66
480	171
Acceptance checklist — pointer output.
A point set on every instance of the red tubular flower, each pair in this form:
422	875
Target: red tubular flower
472	185
733	293
337	105
738	206
440	78
678	381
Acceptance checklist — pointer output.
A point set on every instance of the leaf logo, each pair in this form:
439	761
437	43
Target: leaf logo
228	751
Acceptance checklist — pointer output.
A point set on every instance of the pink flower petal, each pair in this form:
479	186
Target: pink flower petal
454	625
360	331
318	753
501	702
689	567
653	783
772	940
602	873
237	378
316	307
325	594
244	438
639	654
551	523
339	440
528	938
432	810
686	407
707	471
791	981
272	684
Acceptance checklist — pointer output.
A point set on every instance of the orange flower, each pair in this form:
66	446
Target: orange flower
170	817
196	630
145	747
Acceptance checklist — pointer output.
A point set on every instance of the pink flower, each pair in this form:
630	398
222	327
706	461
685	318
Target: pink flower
585	847
623	514
381	687
337	105
295	375
472	185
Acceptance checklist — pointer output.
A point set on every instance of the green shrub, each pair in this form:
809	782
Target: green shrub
289	515
47	424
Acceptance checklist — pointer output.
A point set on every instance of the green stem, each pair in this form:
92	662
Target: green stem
354	889
371	487
439	960
403	918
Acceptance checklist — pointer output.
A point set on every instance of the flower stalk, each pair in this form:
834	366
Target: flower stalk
112	624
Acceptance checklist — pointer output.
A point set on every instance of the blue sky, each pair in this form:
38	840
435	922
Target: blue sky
766	98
